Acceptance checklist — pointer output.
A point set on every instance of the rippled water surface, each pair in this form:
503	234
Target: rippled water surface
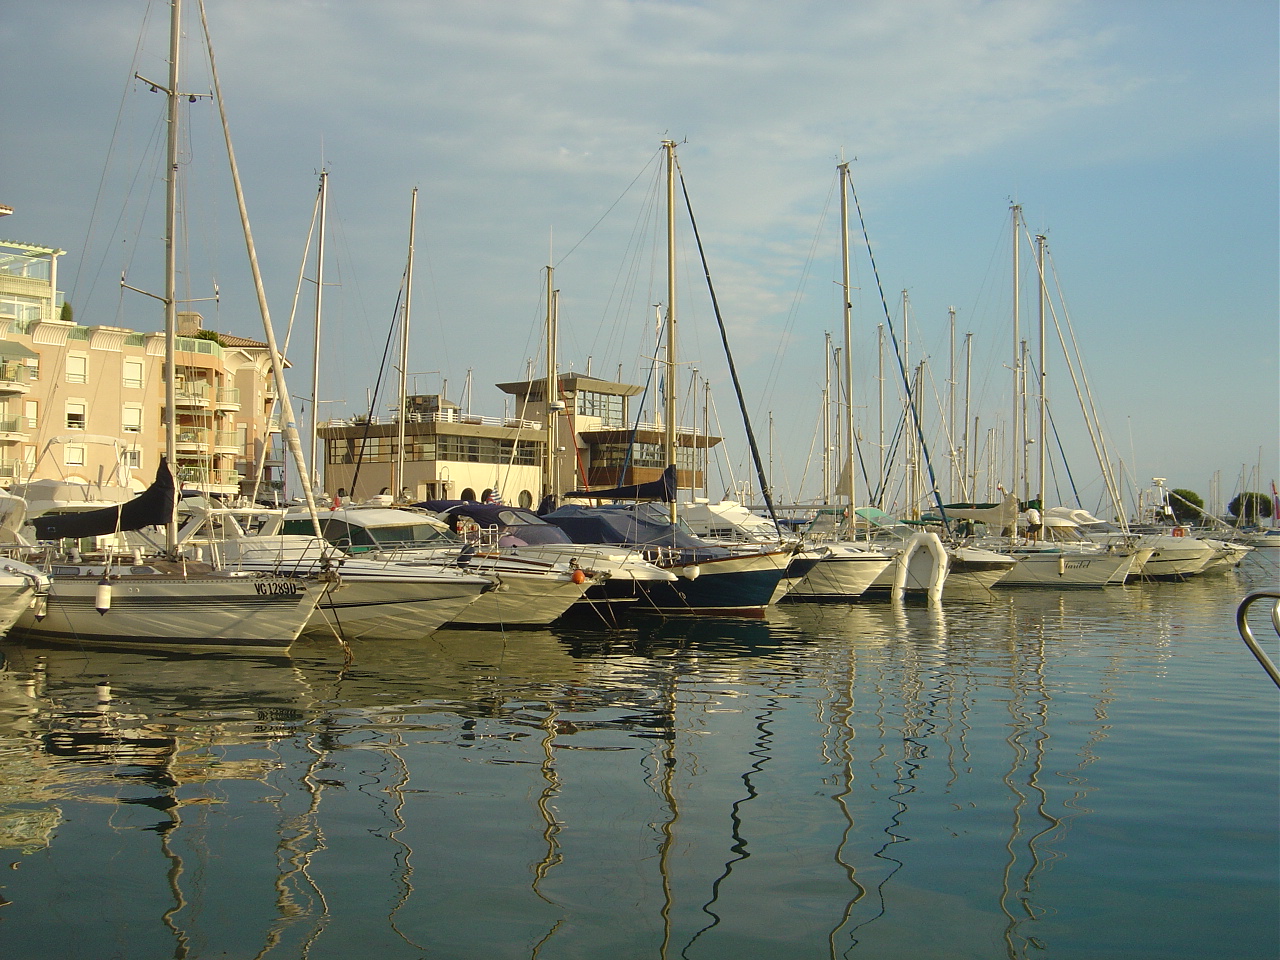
1088	774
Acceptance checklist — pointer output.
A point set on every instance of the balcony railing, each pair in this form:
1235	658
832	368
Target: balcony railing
442	416
227	438
192	393
228	397
197	435
15	372
215	478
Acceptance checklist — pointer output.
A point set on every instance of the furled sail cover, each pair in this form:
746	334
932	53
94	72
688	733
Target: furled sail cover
151	508
1001	515
663	489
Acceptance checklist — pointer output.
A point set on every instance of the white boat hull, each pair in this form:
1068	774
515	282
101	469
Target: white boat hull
385	609
19	586
522	601
1059	568
1175	557
163	609
845	573
974	571
377	600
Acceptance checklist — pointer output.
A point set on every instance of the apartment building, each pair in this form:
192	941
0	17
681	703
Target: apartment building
85	404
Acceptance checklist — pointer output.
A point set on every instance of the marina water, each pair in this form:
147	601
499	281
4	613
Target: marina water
1059	774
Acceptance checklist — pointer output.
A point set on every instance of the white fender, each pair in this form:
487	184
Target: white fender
937	570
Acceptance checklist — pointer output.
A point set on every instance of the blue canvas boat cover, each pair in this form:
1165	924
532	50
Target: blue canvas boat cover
631	525
524	525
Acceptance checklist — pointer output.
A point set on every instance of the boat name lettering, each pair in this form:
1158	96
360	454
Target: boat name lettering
278	588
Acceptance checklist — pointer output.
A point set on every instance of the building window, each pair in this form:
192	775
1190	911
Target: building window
73	455
640	455
76	416
133	373
608	407
131	419
22	309
133	458
77	368
31	410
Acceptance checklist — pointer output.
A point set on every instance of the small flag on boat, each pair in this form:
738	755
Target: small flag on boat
492	496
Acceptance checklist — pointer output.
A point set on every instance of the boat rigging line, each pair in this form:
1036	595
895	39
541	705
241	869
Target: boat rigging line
902	369
733	370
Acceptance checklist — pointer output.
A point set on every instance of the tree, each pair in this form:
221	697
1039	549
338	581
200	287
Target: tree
1249	508
1187	505
66	312
209	335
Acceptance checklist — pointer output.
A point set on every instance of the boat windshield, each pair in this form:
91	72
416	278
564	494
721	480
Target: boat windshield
410	535
355	538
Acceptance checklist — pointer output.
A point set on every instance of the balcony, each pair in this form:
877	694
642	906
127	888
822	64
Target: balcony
11	470
227	441
15	379
192	440
203	477
192	394
228	398
14	429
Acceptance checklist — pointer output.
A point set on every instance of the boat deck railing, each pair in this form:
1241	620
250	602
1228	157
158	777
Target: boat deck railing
1246	631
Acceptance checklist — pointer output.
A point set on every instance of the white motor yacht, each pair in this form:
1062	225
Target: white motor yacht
529	590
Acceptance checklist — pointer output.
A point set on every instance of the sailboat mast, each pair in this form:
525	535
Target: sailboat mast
315	348
951	400
969	476
669	436
1016	447
826	421
549	484
171	270
880	445
404	348
847	313
288	424
1043	381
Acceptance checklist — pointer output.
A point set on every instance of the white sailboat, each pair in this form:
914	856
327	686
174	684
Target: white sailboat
166	599
1063	559
739	580
848	567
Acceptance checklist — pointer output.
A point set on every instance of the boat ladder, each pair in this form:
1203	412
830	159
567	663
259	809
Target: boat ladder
1246	632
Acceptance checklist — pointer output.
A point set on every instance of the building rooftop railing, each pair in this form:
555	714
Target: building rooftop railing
442	416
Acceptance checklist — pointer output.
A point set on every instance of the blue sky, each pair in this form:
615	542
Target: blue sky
1140	137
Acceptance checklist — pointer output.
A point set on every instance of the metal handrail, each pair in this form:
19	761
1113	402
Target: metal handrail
1246	632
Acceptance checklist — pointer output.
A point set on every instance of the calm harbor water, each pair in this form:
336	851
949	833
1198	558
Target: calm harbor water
1089	774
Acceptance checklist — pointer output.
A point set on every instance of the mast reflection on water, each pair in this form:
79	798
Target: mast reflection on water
876	779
